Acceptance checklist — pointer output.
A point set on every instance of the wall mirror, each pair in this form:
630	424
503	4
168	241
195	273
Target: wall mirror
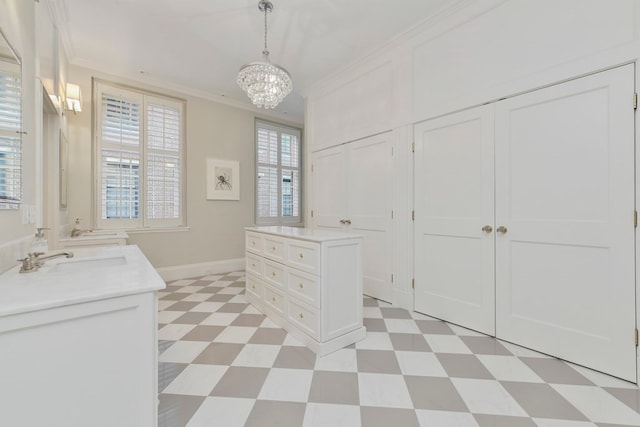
64	160
10	126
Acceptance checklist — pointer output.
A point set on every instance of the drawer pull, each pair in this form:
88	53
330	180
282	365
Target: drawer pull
301	316
253	287
273	273
273	248
301	255
253	243
253	265
273	299
301	286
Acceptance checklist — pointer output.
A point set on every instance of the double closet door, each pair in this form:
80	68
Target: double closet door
525	220
352	187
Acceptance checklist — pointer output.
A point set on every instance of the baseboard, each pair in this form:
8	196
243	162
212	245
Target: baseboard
200	269
403	299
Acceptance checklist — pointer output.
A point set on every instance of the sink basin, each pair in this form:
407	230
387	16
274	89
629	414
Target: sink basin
88	264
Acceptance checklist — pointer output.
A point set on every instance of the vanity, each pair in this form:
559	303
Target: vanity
78	341
309	282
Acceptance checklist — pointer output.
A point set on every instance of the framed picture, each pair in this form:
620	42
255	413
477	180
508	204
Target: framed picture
223	179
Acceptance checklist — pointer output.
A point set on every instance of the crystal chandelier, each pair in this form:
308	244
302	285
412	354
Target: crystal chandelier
265	83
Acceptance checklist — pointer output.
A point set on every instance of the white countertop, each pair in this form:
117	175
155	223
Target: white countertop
125	271
311	234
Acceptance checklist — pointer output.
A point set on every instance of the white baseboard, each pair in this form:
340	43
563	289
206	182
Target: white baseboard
200	269
403	299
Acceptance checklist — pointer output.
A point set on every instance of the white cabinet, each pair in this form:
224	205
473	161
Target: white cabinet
548	225
309	282
353	191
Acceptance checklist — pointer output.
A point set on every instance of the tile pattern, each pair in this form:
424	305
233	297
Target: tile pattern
223	363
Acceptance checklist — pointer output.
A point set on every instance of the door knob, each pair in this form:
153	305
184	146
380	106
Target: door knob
502	229
347	221
487	229
343	221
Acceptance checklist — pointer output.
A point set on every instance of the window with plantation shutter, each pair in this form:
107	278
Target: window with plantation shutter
10	142
139	146
278	177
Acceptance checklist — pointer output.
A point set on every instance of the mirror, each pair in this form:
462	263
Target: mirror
10	126
64	159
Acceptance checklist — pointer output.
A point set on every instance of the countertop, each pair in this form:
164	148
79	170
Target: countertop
310	234
125	271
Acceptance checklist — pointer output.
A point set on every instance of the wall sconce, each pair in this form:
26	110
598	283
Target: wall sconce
74	98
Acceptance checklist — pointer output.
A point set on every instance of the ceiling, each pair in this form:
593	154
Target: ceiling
198	46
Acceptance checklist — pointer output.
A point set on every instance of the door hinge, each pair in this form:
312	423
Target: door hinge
413	147
312	213
635	219
636	336
413	283
391	214
392	152
392	278
413	215
635	101
311	167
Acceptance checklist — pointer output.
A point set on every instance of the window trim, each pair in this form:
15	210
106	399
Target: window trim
280	220
142	223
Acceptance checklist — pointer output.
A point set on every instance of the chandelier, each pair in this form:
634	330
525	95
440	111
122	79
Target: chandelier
266	84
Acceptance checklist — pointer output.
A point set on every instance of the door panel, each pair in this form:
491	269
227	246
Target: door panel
330	188
454	258
565	191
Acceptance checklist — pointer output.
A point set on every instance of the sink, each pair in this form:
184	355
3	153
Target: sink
88	264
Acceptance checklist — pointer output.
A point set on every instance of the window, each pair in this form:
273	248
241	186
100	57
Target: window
10	132
139	159
278	179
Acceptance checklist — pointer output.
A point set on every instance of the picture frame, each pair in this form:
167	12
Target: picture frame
223	179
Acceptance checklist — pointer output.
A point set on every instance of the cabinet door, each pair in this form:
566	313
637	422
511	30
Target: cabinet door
329	185
454	257
565	193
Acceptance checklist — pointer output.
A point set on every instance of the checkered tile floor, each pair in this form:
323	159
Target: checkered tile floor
222	363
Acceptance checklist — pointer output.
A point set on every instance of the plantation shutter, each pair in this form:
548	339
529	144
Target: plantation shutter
10	142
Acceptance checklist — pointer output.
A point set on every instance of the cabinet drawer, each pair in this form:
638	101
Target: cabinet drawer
253	242
273	273
254	264
274	299
273	248
304	286
304	255
253	286
303	317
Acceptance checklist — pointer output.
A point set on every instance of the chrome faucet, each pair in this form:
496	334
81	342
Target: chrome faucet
76	231
33	261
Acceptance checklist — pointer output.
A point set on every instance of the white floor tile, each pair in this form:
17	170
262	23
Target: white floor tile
464	332
372	312
230	291
447	344
182	282
343	360
222	411
508	368
487	397
196	380
445	418
402	326
196	297
163	304
174	332
183	351
257	355
383	390
220	319
207	307
545	422
251	309
165	317
212	278
375	341
190	289
598	405
291	385
327	415
236	334
603	380
290	340
522	351
420	363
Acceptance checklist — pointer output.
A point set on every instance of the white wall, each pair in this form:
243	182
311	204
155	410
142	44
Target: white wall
215	228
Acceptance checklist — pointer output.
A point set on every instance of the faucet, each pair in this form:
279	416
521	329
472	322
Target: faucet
33	261
76	231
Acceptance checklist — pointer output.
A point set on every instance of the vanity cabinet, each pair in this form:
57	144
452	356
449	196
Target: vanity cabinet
309	282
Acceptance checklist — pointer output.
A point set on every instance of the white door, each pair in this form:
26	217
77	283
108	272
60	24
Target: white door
565	195
352	191
370	177
454	217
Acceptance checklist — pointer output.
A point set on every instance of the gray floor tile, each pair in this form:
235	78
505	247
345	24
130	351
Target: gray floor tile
295	358
334	387
485	345
555	371
377	361
542	401
220	298
374	325
630	397
433	393
269	413
503	421
238	284
203	333
395	313
163	345
210	289
219	353
192	318
168	372
435	327
174	296
248	320
232	307
385	417
409	342
369	302
176	410
272	336
182	306
241	381
463	366
614	425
